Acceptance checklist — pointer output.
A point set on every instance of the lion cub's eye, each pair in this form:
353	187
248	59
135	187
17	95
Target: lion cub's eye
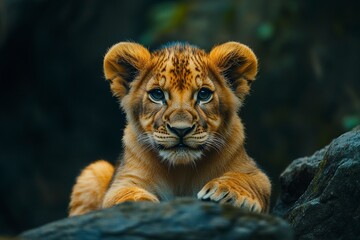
204	95
156	95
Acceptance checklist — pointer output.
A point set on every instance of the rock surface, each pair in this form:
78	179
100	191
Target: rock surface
322	192
178	219
295	180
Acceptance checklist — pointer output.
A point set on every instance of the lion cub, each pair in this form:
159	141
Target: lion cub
183	135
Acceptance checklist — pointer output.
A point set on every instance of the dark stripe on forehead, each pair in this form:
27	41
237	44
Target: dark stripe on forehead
200	64
181	70
179	55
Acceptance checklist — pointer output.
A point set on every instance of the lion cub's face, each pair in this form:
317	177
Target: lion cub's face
180	107
179	99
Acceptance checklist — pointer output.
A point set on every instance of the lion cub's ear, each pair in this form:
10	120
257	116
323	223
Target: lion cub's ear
237	63
122	64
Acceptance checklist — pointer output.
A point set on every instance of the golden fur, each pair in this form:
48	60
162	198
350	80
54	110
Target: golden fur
183	136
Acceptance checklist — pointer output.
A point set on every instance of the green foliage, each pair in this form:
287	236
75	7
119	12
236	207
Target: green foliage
163	19
265	31
350	121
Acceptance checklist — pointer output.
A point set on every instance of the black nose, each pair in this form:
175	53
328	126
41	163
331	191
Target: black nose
181	132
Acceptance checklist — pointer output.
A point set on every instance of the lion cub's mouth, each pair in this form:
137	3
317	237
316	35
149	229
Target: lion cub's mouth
180	147
180	154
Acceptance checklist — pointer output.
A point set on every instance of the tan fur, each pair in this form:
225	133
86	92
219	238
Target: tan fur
160	163
90	188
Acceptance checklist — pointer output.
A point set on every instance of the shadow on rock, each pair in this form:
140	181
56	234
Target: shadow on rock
320	194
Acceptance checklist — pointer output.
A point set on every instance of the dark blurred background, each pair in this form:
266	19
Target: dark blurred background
57	112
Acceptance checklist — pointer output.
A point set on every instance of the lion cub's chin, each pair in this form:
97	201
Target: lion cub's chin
180	156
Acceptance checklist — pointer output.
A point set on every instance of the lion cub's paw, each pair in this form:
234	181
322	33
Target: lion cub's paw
224	193
132	194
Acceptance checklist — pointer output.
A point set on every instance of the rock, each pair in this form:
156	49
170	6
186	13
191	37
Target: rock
295	180
329	207
178	219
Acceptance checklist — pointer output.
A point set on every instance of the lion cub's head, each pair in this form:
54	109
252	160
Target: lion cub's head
180	100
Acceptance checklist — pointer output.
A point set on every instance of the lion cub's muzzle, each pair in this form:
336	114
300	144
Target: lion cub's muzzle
180	143
180	135
180	131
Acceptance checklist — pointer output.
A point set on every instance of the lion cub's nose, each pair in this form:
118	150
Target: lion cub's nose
180	132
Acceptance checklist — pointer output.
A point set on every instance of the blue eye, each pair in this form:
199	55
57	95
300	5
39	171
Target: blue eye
157	95
204	95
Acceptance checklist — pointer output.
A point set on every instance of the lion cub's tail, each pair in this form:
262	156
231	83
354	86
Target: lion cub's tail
88	192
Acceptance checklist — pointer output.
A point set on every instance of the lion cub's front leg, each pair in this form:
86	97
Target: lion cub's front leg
249	191
124	194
